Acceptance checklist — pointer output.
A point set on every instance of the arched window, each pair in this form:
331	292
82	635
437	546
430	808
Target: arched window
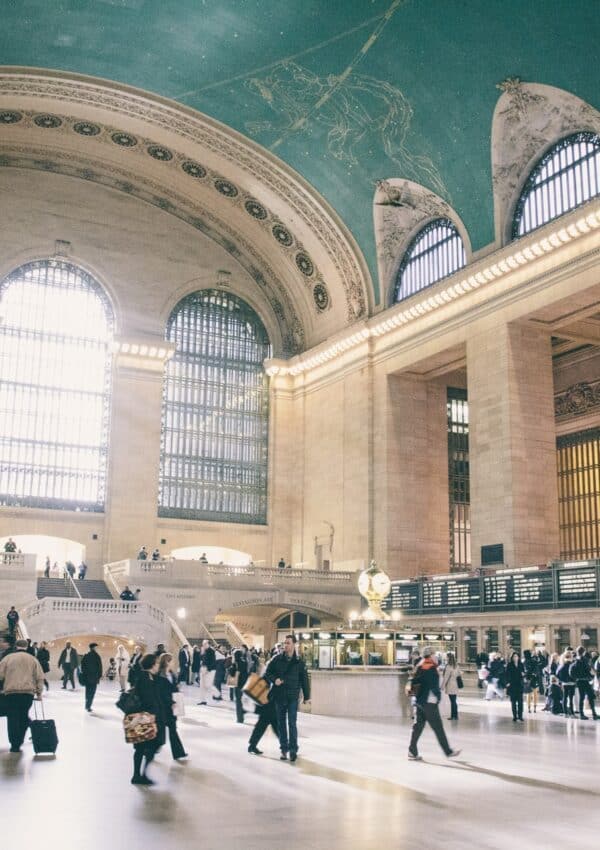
436	252
55	363
567	176
215	412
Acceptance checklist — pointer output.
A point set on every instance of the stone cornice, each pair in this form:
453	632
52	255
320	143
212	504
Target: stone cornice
402	321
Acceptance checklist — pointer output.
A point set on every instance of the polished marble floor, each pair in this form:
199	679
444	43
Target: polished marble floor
526	785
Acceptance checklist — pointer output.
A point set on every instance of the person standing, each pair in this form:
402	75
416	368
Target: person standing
122	665
515	683
196	661
425	684
239	670
184	664
281	564
69	662
167	686
450	683
91	671
22	679
532	679
126	594
12	619
47	567
82	570
147	690
582	674
219	672
43	656
288	675
10	546
156	555
134	666
142	554
208	665
568	685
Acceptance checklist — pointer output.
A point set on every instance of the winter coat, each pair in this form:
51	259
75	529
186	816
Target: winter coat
91	667
21	673
515	678
426	679
292	670
449	677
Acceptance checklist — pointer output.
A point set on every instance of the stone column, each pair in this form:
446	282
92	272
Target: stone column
135	451
512	444
281	469
410	489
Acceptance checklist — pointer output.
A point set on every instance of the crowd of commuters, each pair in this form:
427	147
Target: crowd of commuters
560	684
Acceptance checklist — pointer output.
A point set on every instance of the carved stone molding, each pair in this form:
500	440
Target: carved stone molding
237	154
577	400
529	118
400	209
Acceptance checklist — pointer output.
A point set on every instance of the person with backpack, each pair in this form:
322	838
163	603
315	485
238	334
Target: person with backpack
425	687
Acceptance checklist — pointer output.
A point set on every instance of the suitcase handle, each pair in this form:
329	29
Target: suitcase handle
41	702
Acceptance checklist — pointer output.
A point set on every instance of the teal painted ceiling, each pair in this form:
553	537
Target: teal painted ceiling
345	91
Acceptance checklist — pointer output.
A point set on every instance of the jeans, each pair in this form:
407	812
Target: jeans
17	718
568	697
428	713
68	676
266	716
516	702
585	690
453	707
90	693
287	713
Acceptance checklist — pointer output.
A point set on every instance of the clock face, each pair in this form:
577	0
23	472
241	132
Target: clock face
363	583
381	584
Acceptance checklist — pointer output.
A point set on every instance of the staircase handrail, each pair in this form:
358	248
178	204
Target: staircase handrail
178	635
22	632
208	633
72	588
232	631
111	583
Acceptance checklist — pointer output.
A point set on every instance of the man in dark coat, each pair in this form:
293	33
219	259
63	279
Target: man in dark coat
91	673
425	685
582	674
208	664
184	665
13	619
68	661
288	675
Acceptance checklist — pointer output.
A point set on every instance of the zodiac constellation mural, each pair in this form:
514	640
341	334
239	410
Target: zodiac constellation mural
355	110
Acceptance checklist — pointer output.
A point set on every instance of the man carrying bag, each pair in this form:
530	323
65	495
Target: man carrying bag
22	678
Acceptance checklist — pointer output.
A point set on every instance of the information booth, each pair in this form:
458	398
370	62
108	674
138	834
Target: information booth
379	647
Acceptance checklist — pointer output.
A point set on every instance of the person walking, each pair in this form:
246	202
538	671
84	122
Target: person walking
167	686
149	696
184	664
13	619
22	679
288	675
239	670
267	716
122	665
532	679
495	679
425	685
208	666
68	661
450	683
43	656
91	673
219	673
515	682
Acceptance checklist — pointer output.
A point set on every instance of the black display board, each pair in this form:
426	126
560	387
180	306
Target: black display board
518	589
404	596
456	594
577	585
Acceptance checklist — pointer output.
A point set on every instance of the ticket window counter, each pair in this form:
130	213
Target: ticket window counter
379	649
350	649
440	642
320	650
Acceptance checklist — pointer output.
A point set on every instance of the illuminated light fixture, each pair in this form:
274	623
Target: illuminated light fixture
350	635
125	347
325	635
432	637
576	564
134	348
143	350
380	635
152	351
306	636
396	615
353	615
181	613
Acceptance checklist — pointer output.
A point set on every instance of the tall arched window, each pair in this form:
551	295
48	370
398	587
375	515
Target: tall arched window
436	252
567	176
215	412
55	364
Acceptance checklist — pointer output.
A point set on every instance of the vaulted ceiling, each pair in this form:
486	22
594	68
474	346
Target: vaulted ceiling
346	92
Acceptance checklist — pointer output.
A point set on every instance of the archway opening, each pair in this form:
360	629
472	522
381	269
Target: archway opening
58	549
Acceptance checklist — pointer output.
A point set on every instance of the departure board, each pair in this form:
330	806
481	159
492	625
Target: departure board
458	594
525	589
403	596
577	585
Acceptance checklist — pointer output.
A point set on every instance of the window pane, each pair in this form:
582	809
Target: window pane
435	253
567	176
458	479
578	460
55	365
215	412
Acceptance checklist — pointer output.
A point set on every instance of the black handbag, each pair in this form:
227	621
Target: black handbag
2	705
129	702
459	682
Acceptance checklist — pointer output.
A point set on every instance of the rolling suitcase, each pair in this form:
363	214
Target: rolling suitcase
43	733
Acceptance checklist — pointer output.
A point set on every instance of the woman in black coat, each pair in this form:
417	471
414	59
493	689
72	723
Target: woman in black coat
167	686
147	689
532	679
43	656
515	681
